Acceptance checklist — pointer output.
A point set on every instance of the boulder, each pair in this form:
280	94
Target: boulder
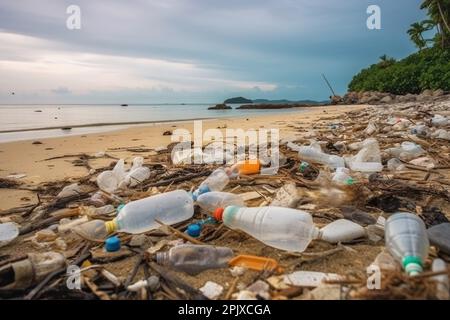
220	106
386	99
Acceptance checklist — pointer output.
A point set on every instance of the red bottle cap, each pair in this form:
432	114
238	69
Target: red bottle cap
218	213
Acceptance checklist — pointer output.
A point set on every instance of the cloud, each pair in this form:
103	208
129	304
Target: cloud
61	90
194	47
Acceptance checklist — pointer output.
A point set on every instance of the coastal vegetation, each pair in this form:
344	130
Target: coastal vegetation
427	69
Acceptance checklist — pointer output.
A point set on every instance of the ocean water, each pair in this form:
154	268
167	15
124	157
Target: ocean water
26	122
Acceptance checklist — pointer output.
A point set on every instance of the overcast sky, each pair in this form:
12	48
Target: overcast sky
152	51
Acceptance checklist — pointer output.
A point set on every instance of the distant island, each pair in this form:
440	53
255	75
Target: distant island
242	100
272	106
237	100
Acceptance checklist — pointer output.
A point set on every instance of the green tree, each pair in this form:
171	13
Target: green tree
416	33
439	13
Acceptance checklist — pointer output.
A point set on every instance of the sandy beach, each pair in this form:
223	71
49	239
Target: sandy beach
24	157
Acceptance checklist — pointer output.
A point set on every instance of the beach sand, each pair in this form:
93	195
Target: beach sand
24	157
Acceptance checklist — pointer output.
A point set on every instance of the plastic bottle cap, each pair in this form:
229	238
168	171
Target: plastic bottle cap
194	230
120	207
218	213
112	244
203	189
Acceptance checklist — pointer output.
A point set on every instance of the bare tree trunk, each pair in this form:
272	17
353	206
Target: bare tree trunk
442	16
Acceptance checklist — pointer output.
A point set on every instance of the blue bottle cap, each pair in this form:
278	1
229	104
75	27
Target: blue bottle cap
203	189
194	230
112	244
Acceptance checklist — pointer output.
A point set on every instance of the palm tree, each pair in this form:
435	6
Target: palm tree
386	61
439	12
416	33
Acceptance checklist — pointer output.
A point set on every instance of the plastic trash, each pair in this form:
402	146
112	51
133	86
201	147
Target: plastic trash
442	283
371	128
194	259
441	134
314	153
194	230
119	178
439	236
216	181
282	228
342	177
407	151
426	162
8	232
368	159
406	239
385	261
70	190
112	244
255	263
248	167
309	278
211	290
152	283
341	230
395	164
420	130
210	201
32	270
139	216
439	121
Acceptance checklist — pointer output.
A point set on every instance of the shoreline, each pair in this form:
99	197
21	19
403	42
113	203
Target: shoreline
32	160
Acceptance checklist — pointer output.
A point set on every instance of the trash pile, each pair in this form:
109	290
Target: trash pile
358	209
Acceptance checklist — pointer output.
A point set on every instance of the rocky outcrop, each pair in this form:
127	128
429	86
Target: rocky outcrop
220	106
373	97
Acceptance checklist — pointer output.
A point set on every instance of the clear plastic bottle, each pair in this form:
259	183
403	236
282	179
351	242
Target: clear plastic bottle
342	177
194	259
406	239
282	228
314	153
210	201
216	181
139	216
368	159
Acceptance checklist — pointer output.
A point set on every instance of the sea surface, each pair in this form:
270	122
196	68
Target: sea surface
26	122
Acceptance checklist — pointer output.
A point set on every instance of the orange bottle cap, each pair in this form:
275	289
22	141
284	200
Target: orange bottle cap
218	213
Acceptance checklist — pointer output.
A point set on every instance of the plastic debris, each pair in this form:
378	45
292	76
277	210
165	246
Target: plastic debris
212	290
8	232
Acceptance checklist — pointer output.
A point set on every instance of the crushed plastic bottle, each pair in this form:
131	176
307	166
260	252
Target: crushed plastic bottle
406	239
216	181
407	151
119	178
8	232
194	259
395	164
439	121
368	159
282	228
139	216
314	153
420	130
441	134
341	230
210	201
342	177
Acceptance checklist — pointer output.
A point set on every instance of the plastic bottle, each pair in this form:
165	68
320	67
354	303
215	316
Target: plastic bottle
282	228
395	164
406	239
313	153
210	201
8	232
439	121
342	177
216	181
248	167
31	270
139	216
406	151
368	159
442	282
341	230
194	259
